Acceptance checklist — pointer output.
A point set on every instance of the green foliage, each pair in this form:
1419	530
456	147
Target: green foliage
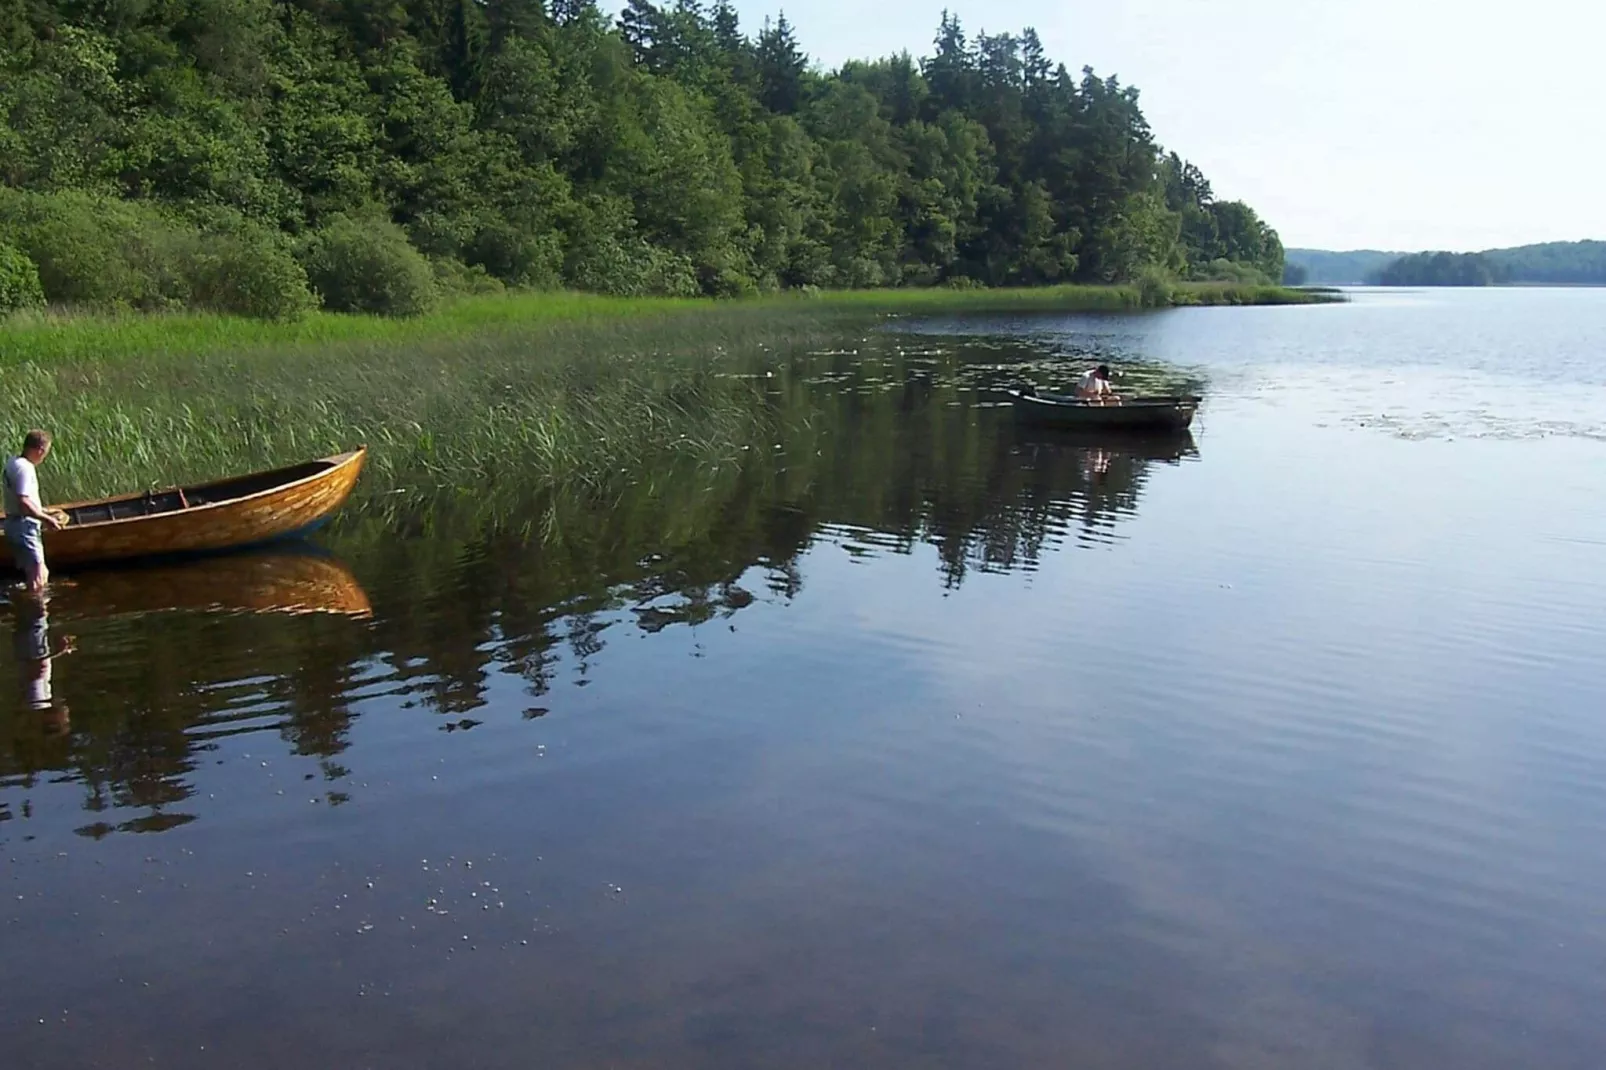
19	281
458	279
103	252
1143	234
367	265
1155	286
1224	270
97	251
245	269
673	154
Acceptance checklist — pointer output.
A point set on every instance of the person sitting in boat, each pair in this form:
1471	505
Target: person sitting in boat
1095	387
26	517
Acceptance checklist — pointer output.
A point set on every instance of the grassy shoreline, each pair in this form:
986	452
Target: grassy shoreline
50	339
526	390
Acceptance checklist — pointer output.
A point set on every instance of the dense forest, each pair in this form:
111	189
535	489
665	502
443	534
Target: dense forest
1580	263
263	156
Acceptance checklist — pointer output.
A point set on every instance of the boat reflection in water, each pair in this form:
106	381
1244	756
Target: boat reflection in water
1097	475
163	638
292	578
1100	452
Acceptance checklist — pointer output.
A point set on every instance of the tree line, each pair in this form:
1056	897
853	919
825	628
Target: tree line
1440	269
264	156
1579	263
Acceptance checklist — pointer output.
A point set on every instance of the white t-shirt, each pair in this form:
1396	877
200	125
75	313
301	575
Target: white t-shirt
1093	386
21	481
39	696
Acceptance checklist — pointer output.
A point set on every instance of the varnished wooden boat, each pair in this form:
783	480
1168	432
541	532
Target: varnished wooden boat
230	513
291	578
1137	414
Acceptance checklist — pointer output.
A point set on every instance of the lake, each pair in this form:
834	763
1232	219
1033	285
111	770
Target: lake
922	741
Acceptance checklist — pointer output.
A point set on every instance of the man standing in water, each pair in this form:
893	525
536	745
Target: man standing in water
1095	387
25	512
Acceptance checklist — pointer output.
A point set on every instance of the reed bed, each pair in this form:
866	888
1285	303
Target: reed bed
529	389
568	403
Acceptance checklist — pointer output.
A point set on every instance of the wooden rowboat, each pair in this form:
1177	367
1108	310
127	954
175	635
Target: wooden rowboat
243	511
1155	414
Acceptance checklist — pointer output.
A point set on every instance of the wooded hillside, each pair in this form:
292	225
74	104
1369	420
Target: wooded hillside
258	155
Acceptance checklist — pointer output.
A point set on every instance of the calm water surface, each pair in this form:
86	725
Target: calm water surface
922	741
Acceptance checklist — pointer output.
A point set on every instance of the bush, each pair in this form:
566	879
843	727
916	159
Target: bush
1155	287
96	251
19	281
629	266
368	266
517	257
248	273
453	276
1222	270
102	252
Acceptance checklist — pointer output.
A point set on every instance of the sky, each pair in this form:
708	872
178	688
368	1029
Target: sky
1347	124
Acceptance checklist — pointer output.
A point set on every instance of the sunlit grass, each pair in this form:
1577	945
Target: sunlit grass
52	337
564	403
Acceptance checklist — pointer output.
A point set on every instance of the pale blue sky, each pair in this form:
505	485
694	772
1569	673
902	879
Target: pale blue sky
1396	124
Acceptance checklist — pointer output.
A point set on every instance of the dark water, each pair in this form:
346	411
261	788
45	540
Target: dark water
921	741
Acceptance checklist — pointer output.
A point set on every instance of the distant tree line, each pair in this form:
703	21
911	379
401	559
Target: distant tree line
1568	263
261	156
1441	269
1580	263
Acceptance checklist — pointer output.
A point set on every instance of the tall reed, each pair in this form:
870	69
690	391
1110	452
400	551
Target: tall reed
564	403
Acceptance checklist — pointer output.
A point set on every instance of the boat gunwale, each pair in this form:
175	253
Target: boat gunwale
1065	401
336	462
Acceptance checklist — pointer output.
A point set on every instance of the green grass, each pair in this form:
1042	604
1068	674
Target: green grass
86	336
52	338
575	402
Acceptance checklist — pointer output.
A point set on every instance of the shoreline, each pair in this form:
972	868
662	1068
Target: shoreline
89	336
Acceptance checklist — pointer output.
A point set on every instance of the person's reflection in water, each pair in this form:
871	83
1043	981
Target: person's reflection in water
1096	464
35	653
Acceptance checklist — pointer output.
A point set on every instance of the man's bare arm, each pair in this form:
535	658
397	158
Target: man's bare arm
32	508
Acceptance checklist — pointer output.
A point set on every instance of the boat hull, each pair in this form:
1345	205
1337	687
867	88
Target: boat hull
209	517
1139	415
